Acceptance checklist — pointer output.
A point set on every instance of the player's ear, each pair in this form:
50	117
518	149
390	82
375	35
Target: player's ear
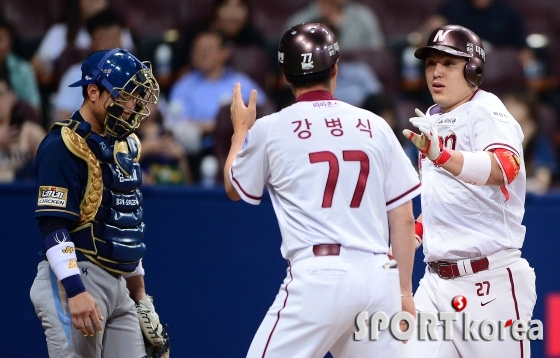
285	79
92	92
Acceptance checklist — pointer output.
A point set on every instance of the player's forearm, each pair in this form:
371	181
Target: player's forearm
61	254
236	144
136	287
456	164
401	228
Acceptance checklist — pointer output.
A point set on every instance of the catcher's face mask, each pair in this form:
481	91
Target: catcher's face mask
131	86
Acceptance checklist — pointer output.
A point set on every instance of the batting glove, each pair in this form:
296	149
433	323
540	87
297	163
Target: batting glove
428	141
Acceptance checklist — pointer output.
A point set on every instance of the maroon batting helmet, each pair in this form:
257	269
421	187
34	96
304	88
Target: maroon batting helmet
307	48
458	41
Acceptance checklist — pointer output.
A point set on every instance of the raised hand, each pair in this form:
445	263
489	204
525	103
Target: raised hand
428	141
243	117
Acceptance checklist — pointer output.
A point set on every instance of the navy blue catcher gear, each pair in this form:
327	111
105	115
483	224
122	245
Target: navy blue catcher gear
458	41
307	48
124	77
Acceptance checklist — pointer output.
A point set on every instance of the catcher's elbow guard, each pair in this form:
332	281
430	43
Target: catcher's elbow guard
476	168
418	233
509	163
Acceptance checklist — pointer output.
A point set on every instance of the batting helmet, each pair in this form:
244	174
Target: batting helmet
307	48
458	41
125	77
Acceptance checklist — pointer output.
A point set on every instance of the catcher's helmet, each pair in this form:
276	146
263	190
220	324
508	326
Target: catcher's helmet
125	77
458	41
307	48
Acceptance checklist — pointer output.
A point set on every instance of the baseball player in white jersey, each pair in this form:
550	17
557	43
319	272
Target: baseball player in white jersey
341	186
473	195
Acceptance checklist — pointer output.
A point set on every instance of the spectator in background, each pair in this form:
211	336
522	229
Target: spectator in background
358	24
69	34
230	17
384	106
163	160
105	30
197	96
540	160
20	135
356	81
16	70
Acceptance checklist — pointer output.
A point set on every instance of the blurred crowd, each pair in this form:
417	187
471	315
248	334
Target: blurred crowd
199	49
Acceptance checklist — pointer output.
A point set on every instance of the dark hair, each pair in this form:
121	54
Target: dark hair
223	40
219	3
104	18
73	20
310	80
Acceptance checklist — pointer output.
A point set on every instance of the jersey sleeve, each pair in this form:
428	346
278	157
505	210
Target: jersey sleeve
495	128
249	171
401	179
61	180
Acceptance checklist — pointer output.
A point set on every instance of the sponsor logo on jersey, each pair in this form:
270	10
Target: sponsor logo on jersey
503	117
487	302
447	121
52	196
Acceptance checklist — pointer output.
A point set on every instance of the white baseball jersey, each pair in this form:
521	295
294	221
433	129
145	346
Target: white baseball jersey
332	170
463	220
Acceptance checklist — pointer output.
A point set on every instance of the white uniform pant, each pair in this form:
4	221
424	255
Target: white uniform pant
316	308
505	291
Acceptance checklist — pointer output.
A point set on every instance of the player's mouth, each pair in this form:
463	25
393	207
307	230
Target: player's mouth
438	87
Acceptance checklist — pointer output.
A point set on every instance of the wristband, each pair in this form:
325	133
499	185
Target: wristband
73	285
62	258
476	168
408	295
418	232
443	158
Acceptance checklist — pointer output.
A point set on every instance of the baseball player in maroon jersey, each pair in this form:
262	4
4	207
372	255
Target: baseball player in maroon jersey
341	186
473	196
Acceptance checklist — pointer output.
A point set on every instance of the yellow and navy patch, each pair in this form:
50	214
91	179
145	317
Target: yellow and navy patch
52	196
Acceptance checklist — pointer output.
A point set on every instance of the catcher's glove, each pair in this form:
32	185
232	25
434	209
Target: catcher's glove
155	334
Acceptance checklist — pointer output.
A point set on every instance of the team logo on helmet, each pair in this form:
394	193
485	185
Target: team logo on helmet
280	57
440	35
